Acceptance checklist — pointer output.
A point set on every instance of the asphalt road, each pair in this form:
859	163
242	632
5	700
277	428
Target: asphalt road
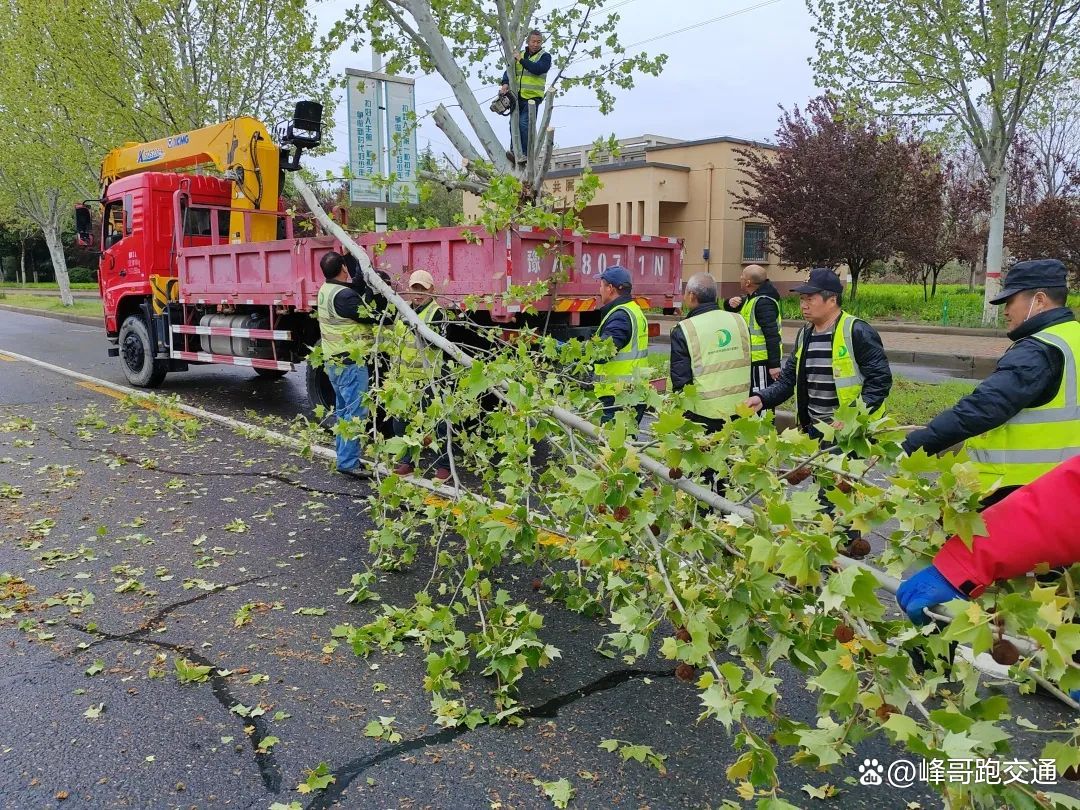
139	520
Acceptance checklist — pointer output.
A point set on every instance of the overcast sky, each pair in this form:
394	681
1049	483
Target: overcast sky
724	77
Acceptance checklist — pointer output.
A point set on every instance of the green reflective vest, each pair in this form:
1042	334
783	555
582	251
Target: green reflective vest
759	352
528	85
846	375
719	345
1037	439
631	361
340	335
416	354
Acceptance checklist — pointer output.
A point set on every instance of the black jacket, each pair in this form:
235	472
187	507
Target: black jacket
1027	376
682	372
869	357
768	318
619	326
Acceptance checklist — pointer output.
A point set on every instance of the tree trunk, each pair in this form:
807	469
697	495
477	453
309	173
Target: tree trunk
59	263
22	262
995	258
855	268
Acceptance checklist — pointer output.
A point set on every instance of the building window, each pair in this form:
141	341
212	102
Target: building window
755	242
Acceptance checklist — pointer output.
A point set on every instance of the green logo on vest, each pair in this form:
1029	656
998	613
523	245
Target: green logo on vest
723	339
842	352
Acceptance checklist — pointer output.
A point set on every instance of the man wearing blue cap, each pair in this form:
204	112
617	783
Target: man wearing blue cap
1024	419
623	322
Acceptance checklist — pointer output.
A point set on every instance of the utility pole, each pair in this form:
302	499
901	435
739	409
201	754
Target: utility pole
380	210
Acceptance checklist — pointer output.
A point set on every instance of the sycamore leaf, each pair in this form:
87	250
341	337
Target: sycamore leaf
94	711
560	792
318	778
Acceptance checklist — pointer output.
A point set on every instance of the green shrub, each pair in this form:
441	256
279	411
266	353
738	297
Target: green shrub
82	275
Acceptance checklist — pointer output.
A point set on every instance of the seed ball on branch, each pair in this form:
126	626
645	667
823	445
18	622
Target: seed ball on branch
797	476
1005	652
682	634
857	548
427	441
675	473
843	633
884	710
685	673
537	584
621	513
844	485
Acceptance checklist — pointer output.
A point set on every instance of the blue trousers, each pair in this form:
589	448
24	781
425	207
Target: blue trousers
350	385
523	122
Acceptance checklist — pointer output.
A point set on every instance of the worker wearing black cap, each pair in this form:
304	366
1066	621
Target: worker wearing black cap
1024	419
837	359
624	324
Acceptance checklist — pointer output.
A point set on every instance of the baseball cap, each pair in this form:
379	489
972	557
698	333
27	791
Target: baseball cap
616	276
1031	275
422	278
822	279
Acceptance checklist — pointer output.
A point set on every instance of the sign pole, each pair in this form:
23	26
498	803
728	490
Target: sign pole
380	210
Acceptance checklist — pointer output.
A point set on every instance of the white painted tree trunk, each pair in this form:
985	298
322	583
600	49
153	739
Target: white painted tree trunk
22	262
59	263
995	243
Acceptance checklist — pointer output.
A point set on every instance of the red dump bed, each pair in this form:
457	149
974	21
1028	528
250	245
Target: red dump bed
286	272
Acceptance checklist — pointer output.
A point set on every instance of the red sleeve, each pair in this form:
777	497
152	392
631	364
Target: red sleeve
1039	523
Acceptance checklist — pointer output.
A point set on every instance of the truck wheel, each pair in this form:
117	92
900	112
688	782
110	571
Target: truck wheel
137	355
270	373
319	392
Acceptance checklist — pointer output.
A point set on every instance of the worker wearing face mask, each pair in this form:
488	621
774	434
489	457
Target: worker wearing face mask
1024	419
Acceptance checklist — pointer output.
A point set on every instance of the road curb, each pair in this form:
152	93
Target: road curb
84	320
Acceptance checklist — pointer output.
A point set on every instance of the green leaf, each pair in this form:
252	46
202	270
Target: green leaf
187	672
560	792
94	711
95	668
318	778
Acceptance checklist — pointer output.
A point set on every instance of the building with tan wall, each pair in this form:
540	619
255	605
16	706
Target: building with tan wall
658	186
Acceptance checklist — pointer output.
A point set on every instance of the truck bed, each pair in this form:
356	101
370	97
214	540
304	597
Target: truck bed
286	272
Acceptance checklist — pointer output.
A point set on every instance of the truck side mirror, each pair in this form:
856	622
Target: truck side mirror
84	236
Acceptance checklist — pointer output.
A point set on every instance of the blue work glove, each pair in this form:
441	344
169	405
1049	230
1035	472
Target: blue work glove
926	589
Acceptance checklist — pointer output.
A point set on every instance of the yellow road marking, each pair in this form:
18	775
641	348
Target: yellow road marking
7	357
142	402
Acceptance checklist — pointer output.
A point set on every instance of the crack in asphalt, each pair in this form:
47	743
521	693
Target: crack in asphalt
348	773
269	770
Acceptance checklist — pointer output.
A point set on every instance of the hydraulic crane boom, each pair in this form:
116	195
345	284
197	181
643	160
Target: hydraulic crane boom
241	149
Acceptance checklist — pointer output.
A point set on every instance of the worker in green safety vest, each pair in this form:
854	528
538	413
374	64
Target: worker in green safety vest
837	359
1024	419
710	351
528	85
347	340
759	306
420	363
624	324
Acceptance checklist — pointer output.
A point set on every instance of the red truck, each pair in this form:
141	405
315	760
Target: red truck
198	269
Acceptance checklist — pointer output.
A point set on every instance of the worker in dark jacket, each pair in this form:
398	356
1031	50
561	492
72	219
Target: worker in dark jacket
624	324
529	84
759	306
347	340
1023	419
1035	526
838	358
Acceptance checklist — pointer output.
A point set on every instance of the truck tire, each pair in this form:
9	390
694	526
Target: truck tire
319	392
137	355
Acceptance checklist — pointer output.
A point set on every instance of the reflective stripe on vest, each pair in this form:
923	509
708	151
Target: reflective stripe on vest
631	360
759	351
1037	439
529	85
340	335
416	354
847	377
719	345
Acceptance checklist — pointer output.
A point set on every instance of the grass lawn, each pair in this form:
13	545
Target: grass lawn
47	285
81	307
916	403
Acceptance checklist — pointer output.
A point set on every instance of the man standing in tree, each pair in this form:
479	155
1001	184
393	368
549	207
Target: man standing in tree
760	307
529	83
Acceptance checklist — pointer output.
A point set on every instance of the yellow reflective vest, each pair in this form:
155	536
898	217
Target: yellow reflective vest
416	354
1037	439
759	351
340	335
719	345
847	377
631	361
528	85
